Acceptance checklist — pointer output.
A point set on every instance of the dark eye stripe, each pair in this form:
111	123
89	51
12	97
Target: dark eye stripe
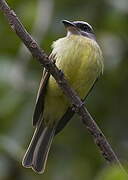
84	27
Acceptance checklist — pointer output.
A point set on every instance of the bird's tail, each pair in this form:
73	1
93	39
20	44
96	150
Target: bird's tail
37	152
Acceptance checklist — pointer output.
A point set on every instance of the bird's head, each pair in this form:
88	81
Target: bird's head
79	28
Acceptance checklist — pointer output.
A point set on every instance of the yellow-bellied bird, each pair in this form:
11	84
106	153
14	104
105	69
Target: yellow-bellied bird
80	58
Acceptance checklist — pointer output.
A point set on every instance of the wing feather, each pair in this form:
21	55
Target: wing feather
39	106
69	114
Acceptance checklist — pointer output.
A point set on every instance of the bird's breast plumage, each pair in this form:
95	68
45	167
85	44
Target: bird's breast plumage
80	59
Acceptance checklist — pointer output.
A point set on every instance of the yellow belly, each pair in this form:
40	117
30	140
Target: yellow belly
80	59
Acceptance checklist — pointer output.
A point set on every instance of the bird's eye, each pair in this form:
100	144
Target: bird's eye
86	28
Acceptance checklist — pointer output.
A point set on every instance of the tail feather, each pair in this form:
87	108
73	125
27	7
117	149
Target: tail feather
37	152
42	150
28	157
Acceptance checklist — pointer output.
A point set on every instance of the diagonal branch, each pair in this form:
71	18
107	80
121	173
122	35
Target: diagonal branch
43	59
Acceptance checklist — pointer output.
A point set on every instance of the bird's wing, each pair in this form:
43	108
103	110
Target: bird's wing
64	120
39	106
69	114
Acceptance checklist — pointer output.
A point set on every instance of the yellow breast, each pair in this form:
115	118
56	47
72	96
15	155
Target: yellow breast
80	59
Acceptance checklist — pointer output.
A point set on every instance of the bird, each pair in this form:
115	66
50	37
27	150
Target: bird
80	58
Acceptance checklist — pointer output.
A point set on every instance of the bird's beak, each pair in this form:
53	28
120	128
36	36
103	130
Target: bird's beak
71	27
68	24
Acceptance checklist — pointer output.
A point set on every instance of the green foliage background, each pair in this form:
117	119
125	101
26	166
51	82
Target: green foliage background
73	155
